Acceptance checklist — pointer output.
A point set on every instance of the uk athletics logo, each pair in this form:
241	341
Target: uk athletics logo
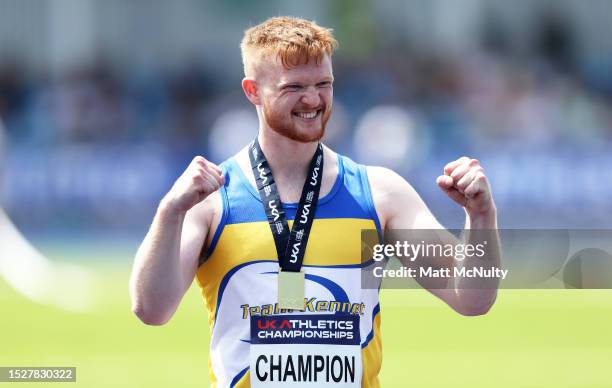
315	175
272	205
262	174
305	213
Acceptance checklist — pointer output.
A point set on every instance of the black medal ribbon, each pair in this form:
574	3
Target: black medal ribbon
290	245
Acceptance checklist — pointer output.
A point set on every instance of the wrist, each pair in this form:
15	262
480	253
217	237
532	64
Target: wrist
486	219
168	210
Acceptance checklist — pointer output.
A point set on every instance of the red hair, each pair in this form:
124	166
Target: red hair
293	40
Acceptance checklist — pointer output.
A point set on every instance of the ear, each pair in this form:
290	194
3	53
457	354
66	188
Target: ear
249	86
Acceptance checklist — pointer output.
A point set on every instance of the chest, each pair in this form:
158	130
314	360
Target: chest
290	188
290	185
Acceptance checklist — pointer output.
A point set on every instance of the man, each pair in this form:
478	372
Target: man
216	224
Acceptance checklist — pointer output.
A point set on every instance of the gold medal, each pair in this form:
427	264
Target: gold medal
291	290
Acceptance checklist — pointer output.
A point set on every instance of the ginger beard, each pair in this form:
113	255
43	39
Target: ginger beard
288	124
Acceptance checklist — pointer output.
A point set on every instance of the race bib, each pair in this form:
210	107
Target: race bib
305	351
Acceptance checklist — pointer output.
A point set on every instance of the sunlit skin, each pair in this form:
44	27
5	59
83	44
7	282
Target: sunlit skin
283	96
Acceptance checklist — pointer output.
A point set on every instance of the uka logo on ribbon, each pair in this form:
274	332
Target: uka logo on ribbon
273	209
262	174
315	174
305	213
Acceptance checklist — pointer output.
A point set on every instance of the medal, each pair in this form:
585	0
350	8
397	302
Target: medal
290	246
291	290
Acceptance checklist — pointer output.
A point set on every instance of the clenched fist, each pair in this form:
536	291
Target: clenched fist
464	182
200	179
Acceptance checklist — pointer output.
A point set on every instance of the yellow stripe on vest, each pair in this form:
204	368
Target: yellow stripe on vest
332	242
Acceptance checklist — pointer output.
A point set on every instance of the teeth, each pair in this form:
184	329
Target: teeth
307	115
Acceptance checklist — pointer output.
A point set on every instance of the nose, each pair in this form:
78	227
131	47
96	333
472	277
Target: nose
311	97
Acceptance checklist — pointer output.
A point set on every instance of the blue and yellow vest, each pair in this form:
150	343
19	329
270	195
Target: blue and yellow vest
239	277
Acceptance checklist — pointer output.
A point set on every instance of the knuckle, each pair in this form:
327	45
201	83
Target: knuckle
213	182
208	167
456	172
206	185
200	160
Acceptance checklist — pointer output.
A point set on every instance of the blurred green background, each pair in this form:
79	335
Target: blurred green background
531	338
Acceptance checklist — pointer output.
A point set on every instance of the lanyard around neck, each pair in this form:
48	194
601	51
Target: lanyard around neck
290	246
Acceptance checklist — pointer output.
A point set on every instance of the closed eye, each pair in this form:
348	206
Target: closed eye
292	87
324	84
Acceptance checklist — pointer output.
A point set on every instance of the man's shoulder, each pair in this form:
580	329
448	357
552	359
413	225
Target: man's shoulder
391	193
385	179
241	154
239	159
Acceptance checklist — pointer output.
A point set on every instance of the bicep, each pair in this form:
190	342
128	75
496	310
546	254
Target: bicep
397	203
192	238
196	228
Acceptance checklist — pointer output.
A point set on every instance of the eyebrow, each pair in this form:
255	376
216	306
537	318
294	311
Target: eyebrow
289	83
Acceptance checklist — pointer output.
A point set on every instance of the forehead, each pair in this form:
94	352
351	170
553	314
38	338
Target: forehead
274	71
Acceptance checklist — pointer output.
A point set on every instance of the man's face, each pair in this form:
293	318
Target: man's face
297	102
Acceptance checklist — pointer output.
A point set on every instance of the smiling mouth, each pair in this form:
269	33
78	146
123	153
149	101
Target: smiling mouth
310	115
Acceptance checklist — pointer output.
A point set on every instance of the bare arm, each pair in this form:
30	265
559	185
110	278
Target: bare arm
400	207
167	259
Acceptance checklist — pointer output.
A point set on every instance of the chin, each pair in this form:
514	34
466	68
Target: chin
301	134
308	135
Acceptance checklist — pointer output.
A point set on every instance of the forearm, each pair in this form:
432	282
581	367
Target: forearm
156	284
477	294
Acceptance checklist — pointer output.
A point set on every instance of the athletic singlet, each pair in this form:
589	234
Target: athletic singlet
239	276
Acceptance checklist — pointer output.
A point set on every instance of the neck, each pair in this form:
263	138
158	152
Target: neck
286	157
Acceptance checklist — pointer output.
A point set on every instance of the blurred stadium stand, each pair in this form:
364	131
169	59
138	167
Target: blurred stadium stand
104	102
